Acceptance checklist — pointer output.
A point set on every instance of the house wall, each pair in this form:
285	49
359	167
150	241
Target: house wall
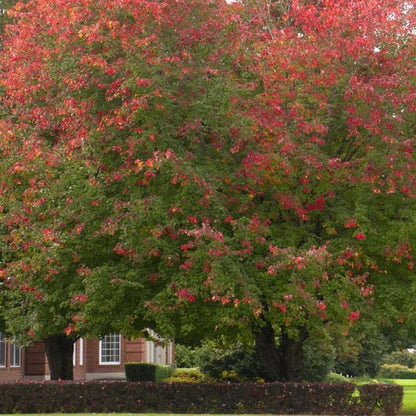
86	360
95	370
9	373
36	365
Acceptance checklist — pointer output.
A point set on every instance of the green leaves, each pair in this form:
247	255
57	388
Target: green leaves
185	167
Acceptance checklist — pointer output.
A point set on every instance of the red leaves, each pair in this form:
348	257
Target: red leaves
186	295
77	299
351	224
282	308
69	329
318	205
354	316
143	82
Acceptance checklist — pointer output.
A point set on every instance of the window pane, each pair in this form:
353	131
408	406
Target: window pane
15	355
110	349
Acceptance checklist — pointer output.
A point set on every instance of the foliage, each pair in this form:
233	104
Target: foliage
402	357
140	371
186	375
387	398
318	357
163	372
5	5
396	371
237	363
238	174
185	356
220	398
406	374
232	363
364	352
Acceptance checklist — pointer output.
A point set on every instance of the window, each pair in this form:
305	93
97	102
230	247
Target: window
110	349
3	348
15	355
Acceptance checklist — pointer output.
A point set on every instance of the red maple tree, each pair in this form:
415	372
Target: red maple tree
206	169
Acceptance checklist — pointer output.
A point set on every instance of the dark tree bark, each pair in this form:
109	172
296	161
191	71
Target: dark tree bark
283	361
59	351
291	352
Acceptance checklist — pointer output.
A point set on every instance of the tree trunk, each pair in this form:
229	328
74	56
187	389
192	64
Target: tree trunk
268	352
291	350
283	362
59	351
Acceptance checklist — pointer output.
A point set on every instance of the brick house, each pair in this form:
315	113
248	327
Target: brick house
93	358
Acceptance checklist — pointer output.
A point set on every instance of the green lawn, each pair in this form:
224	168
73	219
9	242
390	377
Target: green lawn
409	399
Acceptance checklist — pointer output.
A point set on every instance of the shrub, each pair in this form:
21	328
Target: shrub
186	357
391	370
360	355
147	371
404	357
234	362
186	375
406	374
140	371
150	397
197	398
163	372
387	398
318	357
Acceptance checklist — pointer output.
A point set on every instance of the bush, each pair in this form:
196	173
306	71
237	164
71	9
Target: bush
387	398
186	357
361	355
147	371
404	357
163	372
231	398
186	375
235	363
391	370
318	357
406	374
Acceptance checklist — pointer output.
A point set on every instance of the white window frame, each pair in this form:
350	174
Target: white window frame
3	350
110	350
81	352
15	355
74	355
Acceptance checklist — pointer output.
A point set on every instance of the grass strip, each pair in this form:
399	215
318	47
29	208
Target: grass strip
409	396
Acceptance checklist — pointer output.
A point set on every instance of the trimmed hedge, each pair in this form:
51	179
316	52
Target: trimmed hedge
387	398
406	374
150	397
396	371
147	371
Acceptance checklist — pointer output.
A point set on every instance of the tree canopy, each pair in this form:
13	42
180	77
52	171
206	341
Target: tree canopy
207	169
